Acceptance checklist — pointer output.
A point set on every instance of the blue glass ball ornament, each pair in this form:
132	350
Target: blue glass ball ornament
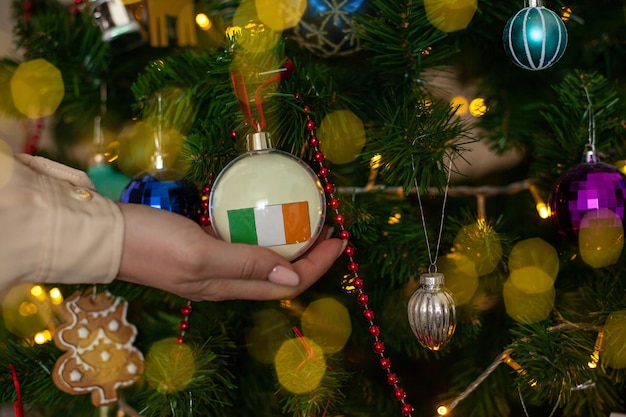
588	189
166	190
327	27
535	38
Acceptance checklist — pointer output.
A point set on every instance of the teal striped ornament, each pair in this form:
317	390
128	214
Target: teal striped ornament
535	38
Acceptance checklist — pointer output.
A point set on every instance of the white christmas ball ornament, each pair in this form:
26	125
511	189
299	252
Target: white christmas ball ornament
269	198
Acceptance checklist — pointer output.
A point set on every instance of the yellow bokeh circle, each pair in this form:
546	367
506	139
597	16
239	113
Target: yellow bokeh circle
480	243
460	276
37	88
527	308
531	280
342	136
600	238
26	310
280	14
535	252
450	15
613	352
169	366
327	322
300	365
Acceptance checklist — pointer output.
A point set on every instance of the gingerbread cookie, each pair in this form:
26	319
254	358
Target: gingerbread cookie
99	357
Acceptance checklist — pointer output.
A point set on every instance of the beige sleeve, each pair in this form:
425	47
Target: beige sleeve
54	228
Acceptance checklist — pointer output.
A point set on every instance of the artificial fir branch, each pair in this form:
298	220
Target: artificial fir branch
416	137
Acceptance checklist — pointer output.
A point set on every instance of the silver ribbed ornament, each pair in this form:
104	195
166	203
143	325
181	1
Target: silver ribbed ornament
432	312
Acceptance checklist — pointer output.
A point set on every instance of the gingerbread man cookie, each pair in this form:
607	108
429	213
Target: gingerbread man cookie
99	357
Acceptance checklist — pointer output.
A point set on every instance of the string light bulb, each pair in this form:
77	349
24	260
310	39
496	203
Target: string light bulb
442	410
595	356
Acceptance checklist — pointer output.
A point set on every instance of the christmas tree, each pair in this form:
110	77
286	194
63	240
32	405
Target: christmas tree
481	142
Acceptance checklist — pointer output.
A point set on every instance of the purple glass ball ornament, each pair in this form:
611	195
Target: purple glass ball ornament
587	190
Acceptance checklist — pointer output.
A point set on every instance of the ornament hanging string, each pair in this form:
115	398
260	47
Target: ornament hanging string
591	146
241	92
18	406
432	259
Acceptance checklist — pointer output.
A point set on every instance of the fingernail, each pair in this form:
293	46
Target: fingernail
344	245
283	276
330	232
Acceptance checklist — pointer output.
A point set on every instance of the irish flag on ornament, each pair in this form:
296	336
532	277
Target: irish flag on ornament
271	225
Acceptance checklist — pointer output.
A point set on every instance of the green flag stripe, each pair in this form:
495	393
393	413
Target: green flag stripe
242	226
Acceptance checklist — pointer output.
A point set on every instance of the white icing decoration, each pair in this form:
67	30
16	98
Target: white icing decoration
131	368
105	356
75	376
114	325
83	333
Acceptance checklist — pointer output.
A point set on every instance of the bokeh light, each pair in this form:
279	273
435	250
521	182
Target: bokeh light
203	21
280	14
137	146
26	310
460	105
478	107
531	280
450	15
271	328
42	337
56	297
300	365
169	366
327	322
527	308
613	353
37	88
251	34
342	136
600	238
7	163
535	252
480	243
461	276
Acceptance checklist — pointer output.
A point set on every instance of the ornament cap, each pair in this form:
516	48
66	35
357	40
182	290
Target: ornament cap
533	3
432	280
258	141
591	156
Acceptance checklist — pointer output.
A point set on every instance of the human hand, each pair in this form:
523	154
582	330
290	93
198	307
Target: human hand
170	252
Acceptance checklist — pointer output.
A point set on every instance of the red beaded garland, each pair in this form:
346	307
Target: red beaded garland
187	310
399	393
392	378
358	283
180	340
385	363
353	266
407	409
184	325
318	156
363	299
